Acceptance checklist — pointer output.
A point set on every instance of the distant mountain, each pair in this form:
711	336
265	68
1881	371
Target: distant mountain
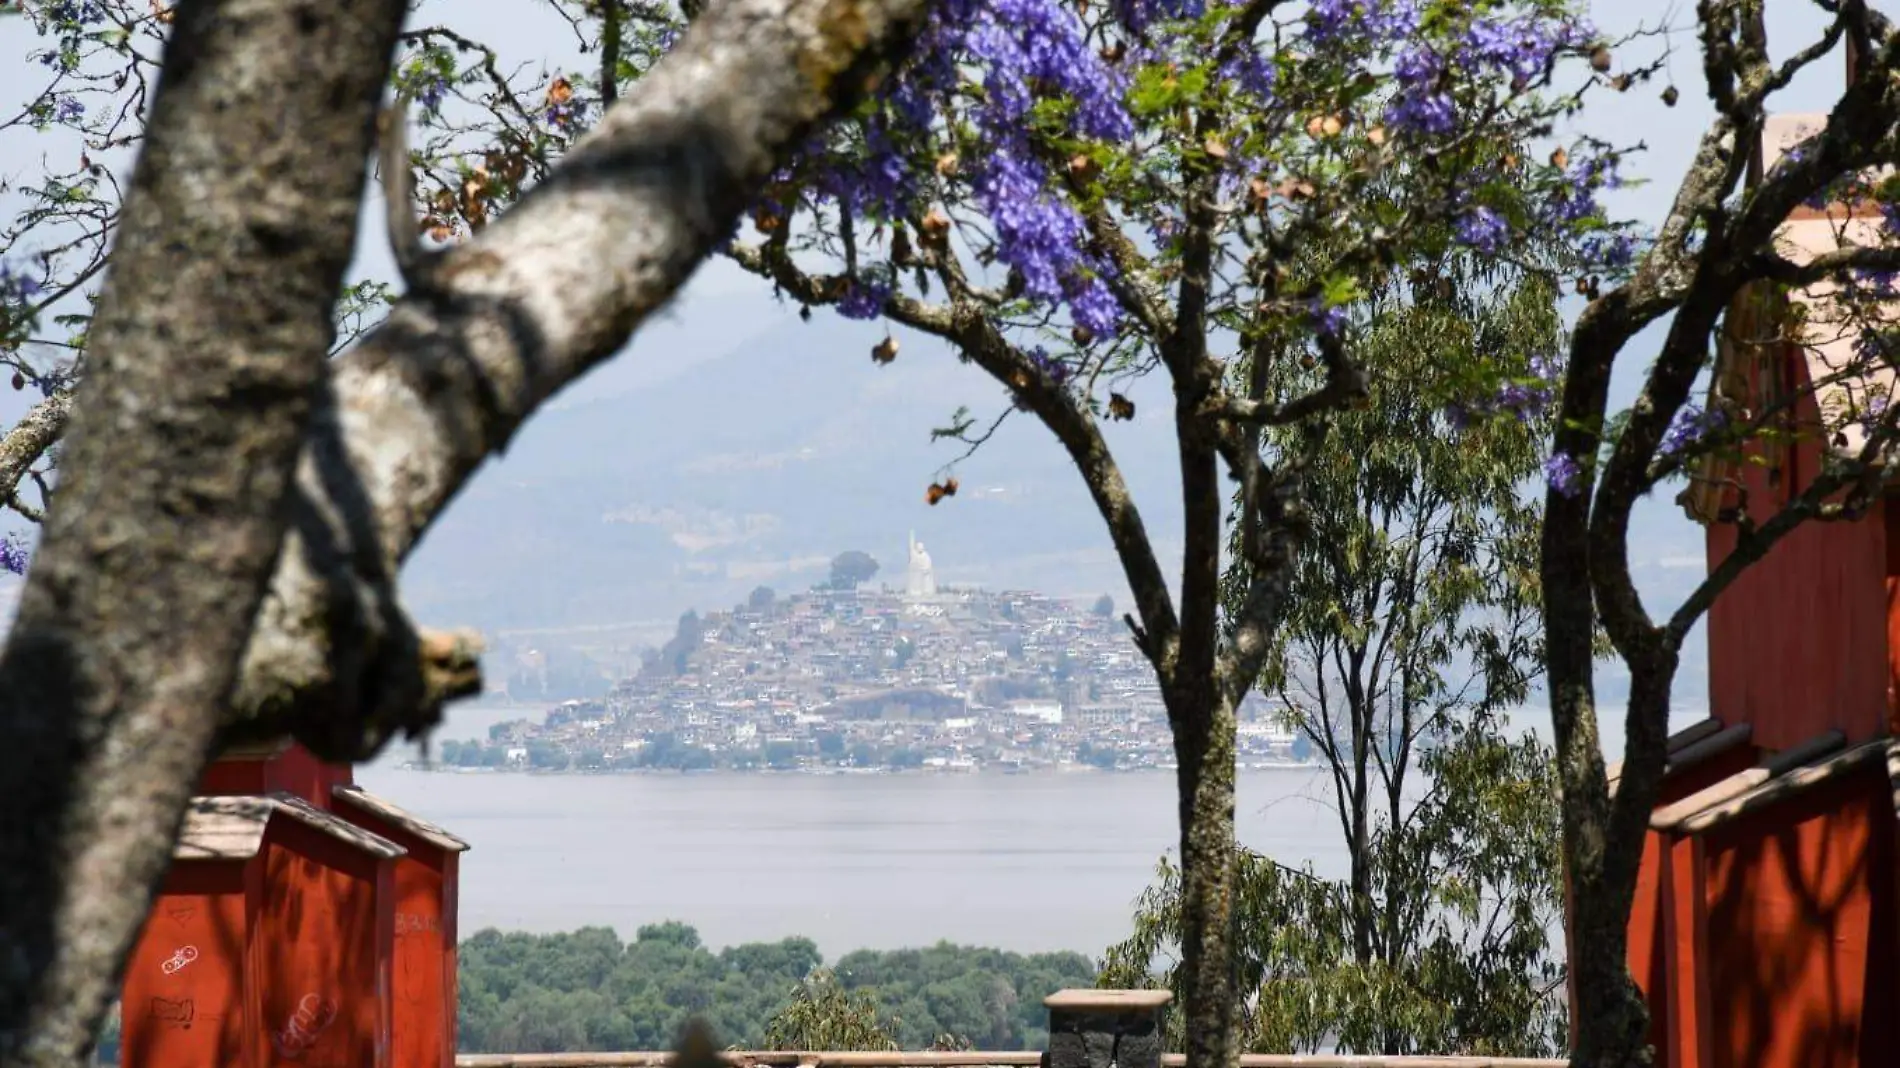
714	468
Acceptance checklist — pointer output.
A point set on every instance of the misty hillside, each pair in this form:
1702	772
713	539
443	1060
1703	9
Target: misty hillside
753	462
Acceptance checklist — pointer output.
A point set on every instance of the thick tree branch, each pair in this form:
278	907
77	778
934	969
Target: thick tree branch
1860	479
1860	126
204	361
544	293
27	440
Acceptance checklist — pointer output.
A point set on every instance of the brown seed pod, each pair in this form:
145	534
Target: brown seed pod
884	351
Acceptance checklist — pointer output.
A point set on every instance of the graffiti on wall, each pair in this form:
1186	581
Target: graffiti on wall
312	1017
171	1012
180	957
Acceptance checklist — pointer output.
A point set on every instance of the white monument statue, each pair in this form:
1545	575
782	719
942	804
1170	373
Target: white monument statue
919	580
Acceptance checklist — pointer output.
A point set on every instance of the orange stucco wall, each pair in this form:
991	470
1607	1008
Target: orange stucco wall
183	1000
1800	952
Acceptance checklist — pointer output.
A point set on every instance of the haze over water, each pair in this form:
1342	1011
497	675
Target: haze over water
1024	862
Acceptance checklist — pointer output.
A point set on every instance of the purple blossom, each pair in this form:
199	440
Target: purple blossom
1328	21
1138	15
1483	229
1057	370
1879	283
1525	46
81	11
1095	308
69	109
1890	217
1614	251
1690	426
1029	41
1870	418
1563	474
1326	321
1421	105
865	299
1873	344
13	556
564	116
17	286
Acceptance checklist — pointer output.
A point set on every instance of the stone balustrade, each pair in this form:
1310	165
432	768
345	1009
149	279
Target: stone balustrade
1087	1029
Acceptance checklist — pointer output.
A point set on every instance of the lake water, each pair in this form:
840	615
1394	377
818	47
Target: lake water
1022	862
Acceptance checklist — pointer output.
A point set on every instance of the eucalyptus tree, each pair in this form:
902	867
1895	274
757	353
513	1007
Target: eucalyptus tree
1410	632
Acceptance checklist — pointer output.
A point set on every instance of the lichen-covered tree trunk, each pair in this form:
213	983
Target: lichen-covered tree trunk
1204	749
206	357
1602	841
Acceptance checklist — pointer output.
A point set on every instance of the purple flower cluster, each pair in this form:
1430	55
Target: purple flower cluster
1057	370
1421	105
432	92
1690	426
1483	229
1326	320
1870	416
1564	474
1611	251
17	286
1525	46
13	556
1025	50
1328	21
1880	284
1523	399
68	109
83	12
1138	15
865	299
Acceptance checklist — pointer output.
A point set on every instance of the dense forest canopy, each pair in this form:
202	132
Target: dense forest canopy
588	990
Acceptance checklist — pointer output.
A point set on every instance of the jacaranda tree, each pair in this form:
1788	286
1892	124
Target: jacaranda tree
1071	197
1075	197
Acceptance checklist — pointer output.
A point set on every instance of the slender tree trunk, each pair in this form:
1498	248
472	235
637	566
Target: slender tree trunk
1602	841
1204	726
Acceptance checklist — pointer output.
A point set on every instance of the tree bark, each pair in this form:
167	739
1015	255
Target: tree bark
541	296
207	352
1204	724
208	376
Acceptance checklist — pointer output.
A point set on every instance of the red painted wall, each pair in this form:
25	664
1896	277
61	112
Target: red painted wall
1801	960
328	967
1648	924
1798	643
294	771
183	1000
423	1005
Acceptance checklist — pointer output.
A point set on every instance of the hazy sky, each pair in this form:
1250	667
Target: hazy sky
722	310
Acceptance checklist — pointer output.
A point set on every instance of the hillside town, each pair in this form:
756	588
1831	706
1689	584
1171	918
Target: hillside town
850	679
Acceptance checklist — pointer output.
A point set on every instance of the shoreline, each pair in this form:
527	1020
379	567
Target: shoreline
1043	772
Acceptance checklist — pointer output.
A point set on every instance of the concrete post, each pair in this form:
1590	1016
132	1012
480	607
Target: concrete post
1106	1028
